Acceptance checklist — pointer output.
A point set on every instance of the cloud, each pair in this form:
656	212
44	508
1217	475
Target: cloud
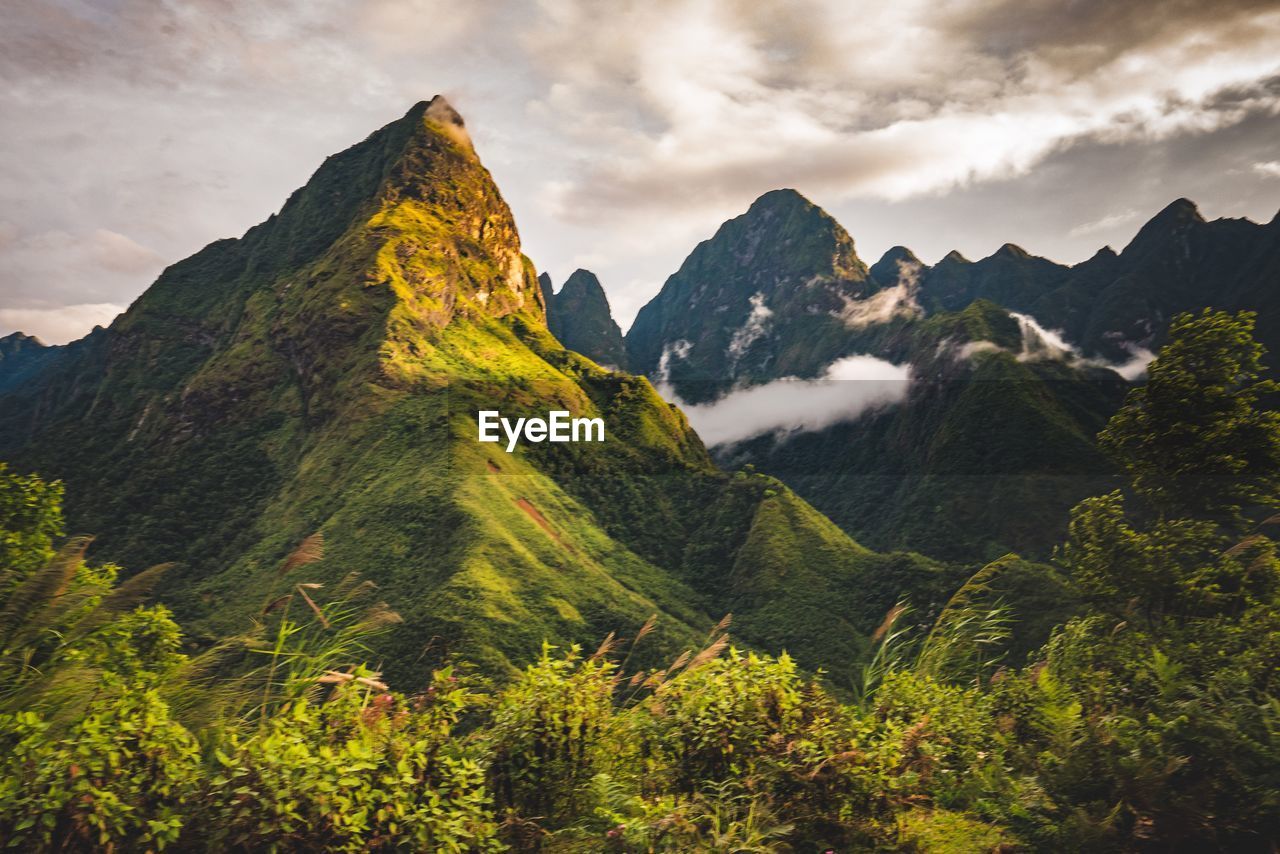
58	325
898	300
55	266
751	331
889	103
1268	168
1041	344
849	388
1105	223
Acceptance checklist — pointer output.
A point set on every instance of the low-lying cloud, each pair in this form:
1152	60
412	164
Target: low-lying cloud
1040	343
898	300
849	388
751	331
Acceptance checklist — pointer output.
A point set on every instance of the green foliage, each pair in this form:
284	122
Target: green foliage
1150	723
364	771
552	733
1154	718
1194	439
30	522
123	775
750	730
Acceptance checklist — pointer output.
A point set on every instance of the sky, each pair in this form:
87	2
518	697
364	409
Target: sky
623	133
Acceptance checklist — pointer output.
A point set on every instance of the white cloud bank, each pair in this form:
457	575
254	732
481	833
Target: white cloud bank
885	101
849	388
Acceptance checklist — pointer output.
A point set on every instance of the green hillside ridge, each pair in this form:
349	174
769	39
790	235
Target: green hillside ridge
322	374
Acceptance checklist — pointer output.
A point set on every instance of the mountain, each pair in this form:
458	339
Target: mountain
548	295
995	440
1114	304
985	455
580	317
22	355
323	373
763	298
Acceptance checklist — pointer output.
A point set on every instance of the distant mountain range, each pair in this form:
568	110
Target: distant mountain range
323	372
1016	362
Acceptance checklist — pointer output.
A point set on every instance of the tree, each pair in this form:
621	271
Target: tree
1164	703
30	522
1201	448
1195	440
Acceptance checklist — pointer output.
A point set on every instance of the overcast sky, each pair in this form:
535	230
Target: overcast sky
132	133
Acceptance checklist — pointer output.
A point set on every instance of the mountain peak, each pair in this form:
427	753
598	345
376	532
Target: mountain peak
1181	207
887	270
954	257
582	320
785	258
781	198
1172	221
582	282
1012	250
14	339
898	253
441	113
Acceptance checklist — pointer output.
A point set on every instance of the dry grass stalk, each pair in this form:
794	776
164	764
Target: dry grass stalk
315	609
309	550
890	618
606	646
1248	541
717	646
680	661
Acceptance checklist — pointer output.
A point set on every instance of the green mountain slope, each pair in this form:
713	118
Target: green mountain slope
985	456
323	373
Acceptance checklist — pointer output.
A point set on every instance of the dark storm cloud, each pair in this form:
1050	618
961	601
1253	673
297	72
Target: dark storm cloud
1088	31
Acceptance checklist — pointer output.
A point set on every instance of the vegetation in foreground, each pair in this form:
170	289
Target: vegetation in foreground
1151	722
